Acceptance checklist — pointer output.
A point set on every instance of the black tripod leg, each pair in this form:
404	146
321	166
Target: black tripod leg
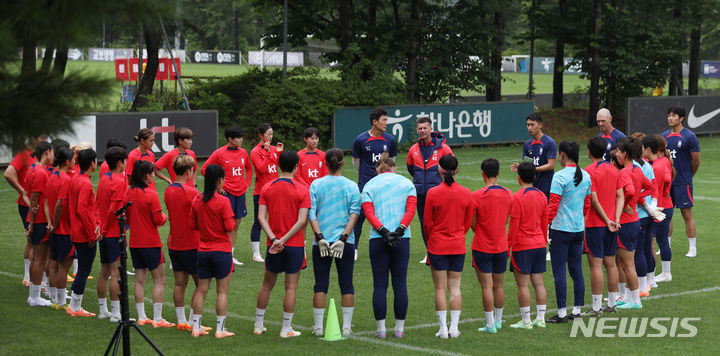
148	340
114	340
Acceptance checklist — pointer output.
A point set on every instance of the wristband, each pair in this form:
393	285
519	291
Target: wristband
344	237
319	236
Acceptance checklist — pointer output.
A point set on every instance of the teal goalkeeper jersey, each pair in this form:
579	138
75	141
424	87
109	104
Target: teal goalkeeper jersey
333	200
388	192
570	216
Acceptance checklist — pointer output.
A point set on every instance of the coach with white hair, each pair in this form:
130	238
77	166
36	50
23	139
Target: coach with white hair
609	133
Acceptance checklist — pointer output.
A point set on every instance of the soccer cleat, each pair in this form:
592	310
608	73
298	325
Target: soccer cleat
91	277
619	301
70	279
658	252
197	333
498	324
223	334
259	330
346	333
104	315
39	302
380	334
489	330
454	334
290	333
609	310
68	310
81	312
538	323
114	318
644	293
130	273
236	262
423	261
691	253
630	305
592	312
206	328
26	283
521	325
54	306
184	327
557	319
653	285
145	321
663	277
319	332
399	334
258	258
162	323
441	334
574	316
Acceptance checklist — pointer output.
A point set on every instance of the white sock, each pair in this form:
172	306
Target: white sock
665	267
442	320
180	312
75	266
256	248
691	241
140	307
454	320
621	288
498	314
27	269
651	278
157	311
76	301
628	294
489	319
53	293
525	313
233	252
196	322
45	280
259	317
576	309
287	321
635	296
220	324
400	325
642	283
612	296
61	296
541	311
318	314
597	302
380	325
562	312
33	292
102	302
669	238
347	317
115	307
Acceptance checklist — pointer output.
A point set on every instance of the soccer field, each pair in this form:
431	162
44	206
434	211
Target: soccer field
694	292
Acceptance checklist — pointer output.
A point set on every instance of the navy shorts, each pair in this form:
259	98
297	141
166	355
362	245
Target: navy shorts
682	195
237	202
628	234
184	261
490	262
146	257
529	261
61	247
214	264
344	267
600	242
40	234
110	249
445	262
290	260
24	211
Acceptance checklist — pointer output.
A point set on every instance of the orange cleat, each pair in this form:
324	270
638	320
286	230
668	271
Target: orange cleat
145	321
644	293
197	333
162	324
223	334
205	328
70	279
26	283
80	312
184	327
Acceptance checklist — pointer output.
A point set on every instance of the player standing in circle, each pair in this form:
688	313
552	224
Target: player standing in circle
569	201
685	154
422	164
283	211
367	149
607	132
112	142
183	137
312	163
448	217
265	162
238	176
492	207
144	217
389	203
39	221
527	238
212	218
541	149
662	182
61	247
663	227
143	152
335	207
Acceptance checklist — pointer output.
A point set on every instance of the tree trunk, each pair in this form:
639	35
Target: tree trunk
676	84
594	104
152	42
559	67
694	60
47	58
371	27
28	61
344	25
530	93
61	58
412	55
493	91
235	26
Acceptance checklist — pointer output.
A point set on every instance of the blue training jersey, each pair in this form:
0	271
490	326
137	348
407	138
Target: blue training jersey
541	151
388	192
369	149
611	141
680	145
333	199
650	174
570	216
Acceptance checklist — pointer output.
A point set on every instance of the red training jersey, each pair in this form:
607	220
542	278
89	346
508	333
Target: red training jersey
213	221
492	206
21	163
144	216
311	166
632	176
528	220
283	198
266	166
104	168
178	200
36	180
57	188
605	182
447	218
238	168
167	160
136	155
663	169
110	195
83	220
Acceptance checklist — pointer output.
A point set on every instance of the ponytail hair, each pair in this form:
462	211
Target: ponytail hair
334	158
572	152
637	138
449	164
140	170
384	164
63	155
662	147
143	134
213	173
41	148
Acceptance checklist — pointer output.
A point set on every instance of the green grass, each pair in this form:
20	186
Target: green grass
32	330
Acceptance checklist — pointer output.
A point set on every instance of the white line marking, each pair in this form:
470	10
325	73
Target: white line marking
701	197
405	346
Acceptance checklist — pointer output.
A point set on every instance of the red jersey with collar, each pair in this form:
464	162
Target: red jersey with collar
110	195
238	168
21	163
144	216
167	160
284	198
213	221
528	220
74	171
266	166
57	188
83	218
311	166
663	170
104	168
635	186
36	180
447	218
605	181
136	155
492	206
178	200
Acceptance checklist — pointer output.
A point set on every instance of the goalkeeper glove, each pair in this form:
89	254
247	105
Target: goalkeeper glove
323	245
387	236
337	248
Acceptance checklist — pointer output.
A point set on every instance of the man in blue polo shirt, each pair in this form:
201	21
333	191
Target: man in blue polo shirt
607	132
542	150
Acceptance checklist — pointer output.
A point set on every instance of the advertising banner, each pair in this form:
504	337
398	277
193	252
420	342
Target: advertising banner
265	58
215	57
649	114
710	69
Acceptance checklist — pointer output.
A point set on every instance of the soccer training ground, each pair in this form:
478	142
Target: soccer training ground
693	293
